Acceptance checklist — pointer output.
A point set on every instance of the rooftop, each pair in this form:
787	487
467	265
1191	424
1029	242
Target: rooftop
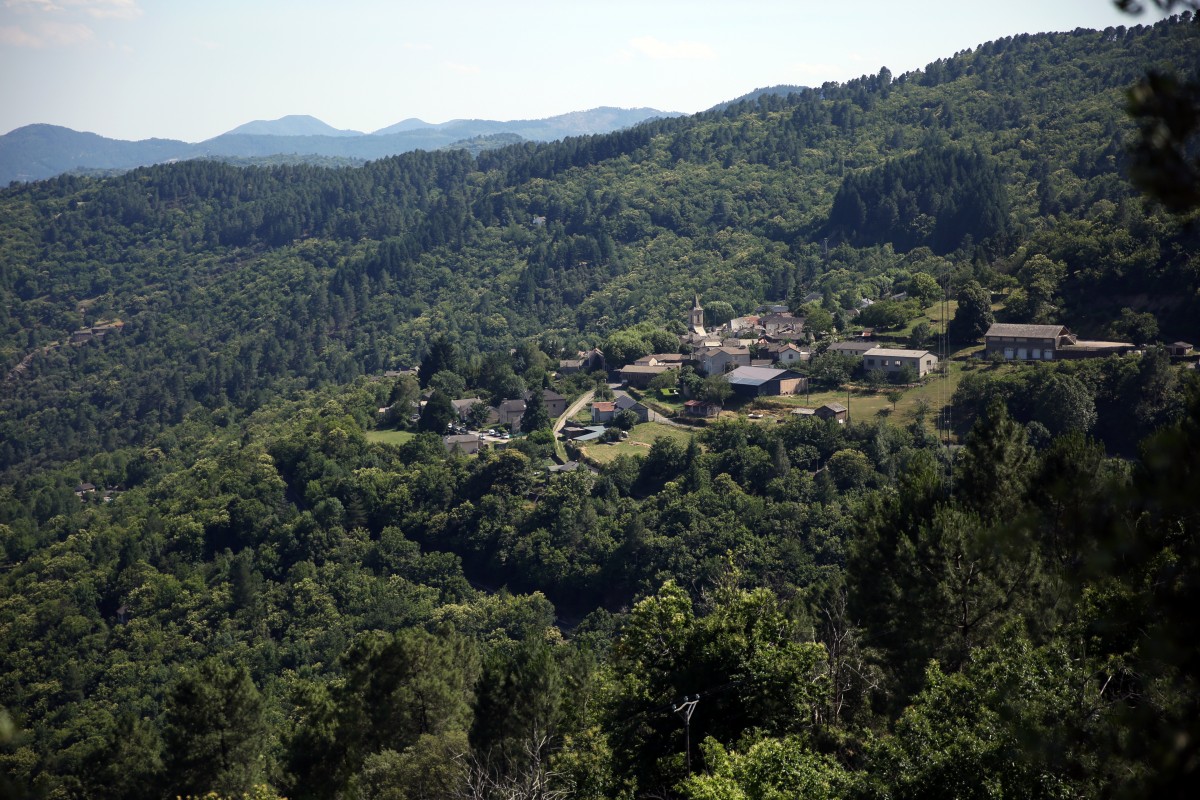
755	376
1026	331
645	369
888	352
850	347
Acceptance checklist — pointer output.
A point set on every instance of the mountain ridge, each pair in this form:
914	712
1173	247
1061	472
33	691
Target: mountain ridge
292	125
40	151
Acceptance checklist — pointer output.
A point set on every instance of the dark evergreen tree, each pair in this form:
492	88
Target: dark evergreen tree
973	316
535	417
214	731
442	355
437	414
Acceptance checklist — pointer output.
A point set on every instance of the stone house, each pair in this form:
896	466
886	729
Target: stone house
466	443
784	353
603	411
640	375
1026	342
719	360
893	360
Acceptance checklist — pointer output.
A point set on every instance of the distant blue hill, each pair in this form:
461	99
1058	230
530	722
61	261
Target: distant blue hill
36	152
291	125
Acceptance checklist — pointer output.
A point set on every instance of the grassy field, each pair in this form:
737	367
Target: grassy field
932	315
866	405
638	443
388	437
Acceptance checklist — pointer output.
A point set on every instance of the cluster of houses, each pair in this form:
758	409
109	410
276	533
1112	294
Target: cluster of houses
82	336
756	354
96	331
84	490
508	413
728	352
780	342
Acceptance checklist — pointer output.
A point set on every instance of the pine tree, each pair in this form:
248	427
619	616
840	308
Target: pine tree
535	417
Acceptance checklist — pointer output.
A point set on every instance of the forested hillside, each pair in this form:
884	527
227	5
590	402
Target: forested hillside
261	601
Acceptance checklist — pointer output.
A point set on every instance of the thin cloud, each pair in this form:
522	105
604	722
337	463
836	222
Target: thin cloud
461	69
32	5
672	51
66	33
96	9
417	46
13	36
46	34
111	9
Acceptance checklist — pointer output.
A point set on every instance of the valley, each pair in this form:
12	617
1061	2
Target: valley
338	545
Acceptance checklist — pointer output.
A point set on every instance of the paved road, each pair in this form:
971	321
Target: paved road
572	411
560	452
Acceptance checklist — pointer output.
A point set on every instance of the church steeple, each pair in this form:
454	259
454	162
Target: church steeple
696	321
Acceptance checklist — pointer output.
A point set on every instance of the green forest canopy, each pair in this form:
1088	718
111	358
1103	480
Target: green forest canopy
269	600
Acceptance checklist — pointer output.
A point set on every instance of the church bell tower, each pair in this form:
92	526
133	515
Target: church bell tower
696	324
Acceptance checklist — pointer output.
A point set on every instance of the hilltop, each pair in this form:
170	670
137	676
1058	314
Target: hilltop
36	152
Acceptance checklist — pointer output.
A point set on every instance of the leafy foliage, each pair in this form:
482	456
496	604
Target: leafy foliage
859	611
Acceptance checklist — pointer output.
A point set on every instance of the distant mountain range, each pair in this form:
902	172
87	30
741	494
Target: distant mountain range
291	125
35	152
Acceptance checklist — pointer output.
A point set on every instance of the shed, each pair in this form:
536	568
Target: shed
834	411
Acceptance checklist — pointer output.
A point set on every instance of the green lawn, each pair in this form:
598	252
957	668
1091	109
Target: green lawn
932	315
389	437
653	398
865	405
638	443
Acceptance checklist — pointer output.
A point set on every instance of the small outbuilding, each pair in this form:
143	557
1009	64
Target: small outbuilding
834	411
1179	348
701	408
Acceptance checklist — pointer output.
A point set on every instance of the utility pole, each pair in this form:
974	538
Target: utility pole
684	709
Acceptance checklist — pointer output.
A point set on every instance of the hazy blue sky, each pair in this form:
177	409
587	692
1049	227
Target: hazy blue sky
133	69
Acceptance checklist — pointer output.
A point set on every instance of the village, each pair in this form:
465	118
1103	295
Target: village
762	367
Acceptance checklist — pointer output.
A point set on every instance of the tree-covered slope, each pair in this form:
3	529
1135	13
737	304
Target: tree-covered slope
261	601
232	282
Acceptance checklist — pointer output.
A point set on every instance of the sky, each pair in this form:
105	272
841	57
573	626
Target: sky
193	69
